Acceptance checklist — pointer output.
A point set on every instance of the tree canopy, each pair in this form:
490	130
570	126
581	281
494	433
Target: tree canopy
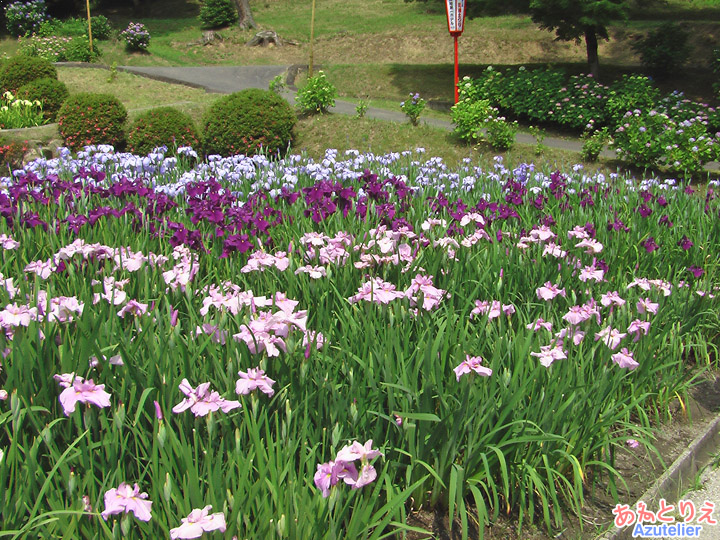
574	19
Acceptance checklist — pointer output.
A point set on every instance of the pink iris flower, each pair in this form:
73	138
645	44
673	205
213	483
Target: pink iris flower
127	499
645	305
549	291
378	291
355	451
610	337
625	359
201	400
198	522
329	474
471	363
612	298
80	390
254	379
549	353
639	328
538	324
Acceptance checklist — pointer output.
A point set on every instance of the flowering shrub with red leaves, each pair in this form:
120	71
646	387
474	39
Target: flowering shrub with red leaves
12	153
87	118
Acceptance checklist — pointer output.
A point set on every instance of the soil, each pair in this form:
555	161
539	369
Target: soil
639	470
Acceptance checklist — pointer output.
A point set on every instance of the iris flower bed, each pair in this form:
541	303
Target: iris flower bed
299	349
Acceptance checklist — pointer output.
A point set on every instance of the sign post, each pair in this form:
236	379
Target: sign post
455	10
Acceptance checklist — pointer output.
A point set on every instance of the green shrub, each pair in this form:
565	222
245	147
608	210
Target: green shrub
52	48
361	108
67	28
501	133
101	27
653	139
277	84
92	119
23	18
664	50
248	122
78	50
50	92
628	94
21	70
164	126
136	36
469	117
317	96
413	108
593	144
217	13
76	27
581	103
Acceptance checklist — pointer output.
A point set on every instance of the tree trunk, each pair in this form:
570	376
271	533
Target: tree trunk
245	18
591	44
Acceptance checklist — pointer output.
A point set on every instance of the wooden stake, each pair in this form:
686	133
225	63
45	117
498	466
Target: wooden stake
87	2
312	36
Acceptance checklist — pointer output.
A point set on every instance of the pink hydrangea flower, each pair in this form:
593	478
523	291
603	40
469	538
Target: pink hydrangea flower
201	400
254	379
80	390
198	522
470	364
127	499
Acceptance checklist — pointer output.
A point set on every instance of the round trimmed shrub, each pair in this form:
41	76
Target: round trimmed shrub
50	92
162	126
21	70
248	122
87	118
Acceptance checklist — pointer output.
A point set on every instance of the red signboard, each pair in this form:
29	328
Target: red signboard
455	15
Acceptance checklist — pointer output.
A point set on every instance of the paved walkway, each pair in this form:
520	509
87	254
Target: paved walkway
228	79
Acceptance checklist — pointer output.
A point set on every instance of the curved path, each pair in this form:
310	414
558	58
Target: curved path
228	79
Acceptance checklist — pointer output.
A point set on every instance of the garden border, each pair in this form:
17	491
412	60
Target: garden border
670	484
